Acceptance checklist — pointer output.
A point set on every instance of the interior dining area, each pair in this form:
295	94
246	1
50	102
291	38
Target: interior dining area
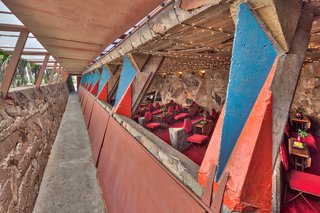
181	108
300	148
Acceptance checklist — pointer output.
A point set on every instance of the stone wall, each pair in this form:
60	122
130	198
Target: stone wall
209	91
29	121
308	94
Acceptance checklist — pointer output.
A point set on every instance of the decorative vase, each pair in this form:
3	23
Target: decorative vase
299	138
299	115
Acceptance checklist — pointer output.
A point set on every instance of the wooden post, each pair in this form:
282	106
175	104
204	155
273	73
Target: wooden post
11	69
58	73
52	72
65	76
43	68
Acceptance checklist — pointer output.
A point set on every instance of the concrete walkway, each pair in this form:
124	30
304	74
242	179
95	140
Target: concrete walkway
69	183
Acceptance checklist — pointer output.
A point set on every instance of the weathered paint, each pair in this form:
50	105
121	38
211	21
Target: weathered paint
127	74
103	95
252	154
124	106
97	128
212	153
88	109
95	82
132	180
105	75
252	58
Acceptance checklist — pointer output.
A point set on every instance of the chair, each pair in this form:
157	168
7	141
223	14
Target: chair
170	110
193	110
150	107
302	182
207	115
214	114
179	115
158	106
149	124
157	110
194	138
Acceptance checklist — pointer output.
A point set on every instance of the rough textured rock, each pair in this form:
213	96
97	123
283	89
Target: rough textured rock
308	94
209	92
29	121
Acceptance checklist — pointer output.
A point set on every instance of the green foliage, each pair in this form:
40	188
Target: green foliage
302	133
301	110
3	56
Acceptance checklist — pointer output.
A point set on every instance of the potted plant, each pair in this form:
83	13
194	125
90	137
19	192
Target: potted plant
206	116
299	112
301	135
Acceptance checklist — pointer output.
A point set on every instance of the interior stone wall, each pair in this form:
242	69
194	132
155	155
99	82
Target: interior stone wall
209	92
29	121
308	94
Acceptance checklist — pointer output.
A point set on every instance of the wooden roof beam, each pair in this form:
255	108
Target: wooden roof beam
13	28
28	53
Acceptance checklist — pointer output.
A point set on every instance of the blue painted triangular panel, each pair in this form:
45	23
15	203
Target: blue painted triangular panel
105	75
252	58
127	74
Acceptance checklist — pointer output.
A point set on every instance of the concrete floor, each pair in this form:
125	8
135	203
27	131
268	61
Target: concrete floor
69	183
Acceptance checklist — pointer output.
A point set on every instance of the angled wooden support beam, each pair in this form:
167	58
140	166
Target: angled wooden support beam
43	68
218	198
52	72
11	69
207	194
65	76
144	79
138	60
111	68
58	74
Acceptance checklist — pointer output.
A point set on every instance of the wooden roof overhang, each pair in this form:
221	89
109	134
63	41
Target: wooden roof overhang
75	32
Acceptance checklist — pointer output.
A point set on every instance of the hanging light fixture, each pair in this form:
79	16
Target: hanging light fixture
202	73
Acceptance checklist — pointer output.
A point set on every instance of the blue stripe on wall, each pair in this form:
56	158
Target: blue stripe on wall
105	75
127	74
252	58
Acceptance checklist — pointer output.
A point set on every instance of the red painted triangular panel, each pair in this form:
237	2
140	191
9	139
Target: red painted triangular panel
103	95
89	87
94	90
124	106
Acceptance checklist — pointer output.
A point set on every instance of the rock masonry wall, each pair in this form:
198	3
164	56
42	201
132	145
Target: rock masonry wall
29	121
209	92
308	94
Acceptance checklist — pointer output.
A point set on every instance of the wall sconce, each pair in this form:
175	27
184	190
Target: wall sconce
163	75
179	74
202	73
